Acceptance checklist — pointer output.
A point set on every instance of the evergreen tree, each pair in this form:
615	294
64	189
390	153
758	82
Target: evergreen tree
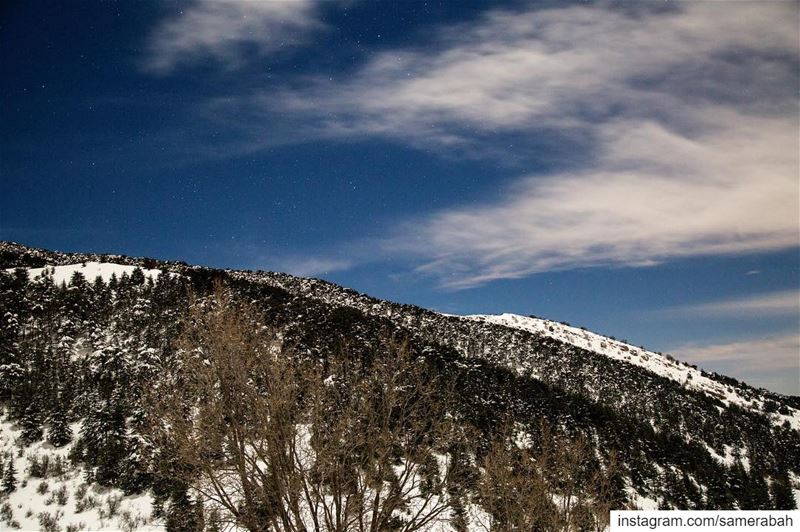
617	495
460	484
60	432
10	476
31	423
694	496
184	515
782	494
10	376
756	493
12	309
78	280
137	276
76	301
105	442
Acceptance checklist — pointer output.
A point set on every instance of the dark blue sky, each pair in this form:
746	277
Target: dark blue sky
632	169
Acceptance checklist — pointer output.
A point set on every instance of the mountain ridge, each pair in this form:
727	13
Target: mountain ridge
712	431
26	255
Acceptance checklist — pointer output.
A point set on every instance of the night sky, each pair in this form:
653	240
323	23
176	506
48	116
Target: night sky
630	168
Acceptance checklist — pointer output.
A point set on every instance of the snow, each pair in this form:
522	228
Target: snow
640	502
656	363
132	512
90	271
728	459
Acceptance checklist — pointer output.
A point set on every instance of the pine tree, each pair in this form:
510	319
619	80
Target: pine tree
694	496
616	481
781	493
756	493
78	280
184	515
137	276
31	423
10	477
60	432
103	435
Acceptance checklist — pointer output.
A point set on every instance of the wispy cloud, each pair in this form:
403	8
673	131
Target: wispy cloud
693	155
723	192
257	254
564	68
224	29
686	116
311	266
784	303
781	352
773	362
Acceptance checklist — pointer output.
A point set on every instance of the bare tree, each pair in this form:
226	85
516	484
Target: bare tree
547	486
513	492
272	442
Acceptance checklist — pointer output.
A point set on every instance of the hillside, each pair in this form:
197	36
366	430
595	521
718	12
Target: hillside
77	351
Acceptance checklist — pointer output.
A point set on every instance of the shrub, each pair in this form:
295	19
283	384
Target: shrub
87	503
58	467
6	513
129	522
58	496
112	505
48	522
62	496
80	491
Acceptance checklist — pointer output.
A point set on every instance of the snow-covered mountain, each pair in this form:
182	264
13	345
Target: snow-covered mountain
686	438
657	363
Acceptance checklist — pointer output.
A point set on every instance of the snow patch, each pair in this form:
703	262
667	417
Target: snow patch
90	271
88	505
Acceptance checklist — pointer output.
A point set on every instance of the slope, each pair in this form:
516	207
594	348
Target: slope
686	438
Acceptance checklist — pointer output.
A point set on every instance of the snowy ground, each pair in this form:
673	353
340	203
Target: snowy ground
61	496
90	271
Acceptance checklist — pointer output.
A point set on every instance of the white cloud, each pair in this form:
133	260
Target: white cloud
310	266
773	363
784	303
687	112
729	191
222	29
565	67
781	352
695	135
